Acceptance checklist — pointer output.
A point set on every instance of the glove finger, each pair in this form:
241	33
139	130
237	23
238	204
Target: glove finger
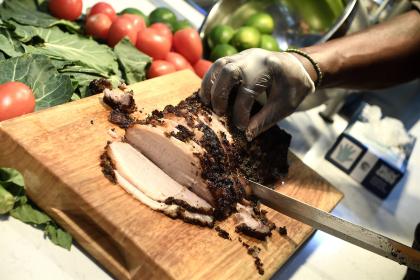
267	117
230	75
209	79
242	107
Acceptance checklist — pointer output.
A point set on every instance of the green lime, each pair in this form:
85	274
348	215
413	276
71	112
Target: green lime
220	34
245	38
262	21
221	51
181	24
163	15
135	11
268	42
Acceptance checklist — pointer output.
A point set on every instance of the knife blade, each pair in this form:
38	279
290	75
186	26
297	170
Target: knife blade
337	227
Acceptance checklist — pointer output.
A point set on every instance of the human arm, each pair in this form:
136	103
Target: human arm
380	56
383	55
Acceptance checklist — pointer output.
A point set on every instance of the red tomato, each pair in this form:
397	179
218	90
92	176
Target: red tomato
163	30
98	26
135	20
119	29
16	99
178	61
66	9
151	43
103	8
188	43
159	68
202	66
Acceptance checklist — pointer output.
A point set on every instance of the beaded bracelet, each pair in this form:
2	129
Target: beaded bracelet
313	62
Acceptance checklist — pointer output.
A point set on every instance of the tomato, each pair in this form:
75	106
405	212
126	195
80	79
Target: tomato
162	29
151	43
159	68
178	61
202	66
188	43
135	20
98	26
66	9
103	8
16	99
119	29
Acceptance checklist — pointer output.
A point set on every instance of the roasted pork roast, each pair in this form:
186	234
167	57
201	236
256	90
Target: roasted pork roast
189	163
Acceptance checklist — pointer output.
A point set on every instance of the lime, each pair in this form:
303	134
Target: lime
268	42
181	24
163	15
221	51
135	11
261	21
220	34
245	38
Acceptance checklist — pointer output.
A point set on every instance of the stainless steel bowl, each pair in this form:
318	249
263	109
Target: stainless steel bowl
299	23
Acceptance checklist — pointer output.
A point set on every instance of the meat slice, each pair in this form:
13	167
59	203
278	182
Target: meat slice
139	171
176	158
251	221
173	210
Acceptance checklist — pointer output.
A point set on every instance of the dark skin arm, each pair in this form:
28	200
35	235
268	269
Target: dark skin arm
383	55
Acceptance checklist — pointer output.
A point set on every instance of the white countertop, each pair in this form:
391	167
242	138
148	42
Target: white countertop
25	254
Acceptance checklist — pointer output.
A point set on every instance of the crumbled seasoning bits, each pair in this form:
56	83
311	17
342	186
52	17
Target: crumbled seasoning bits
222	233
254	251
282	230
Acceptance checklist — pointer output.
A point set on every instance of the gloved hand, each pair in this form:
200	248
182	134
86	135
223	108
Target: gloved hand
253	73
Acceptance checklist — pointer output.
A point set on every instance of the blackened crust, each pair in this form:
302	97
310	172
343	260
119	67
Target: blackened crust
108	168
260	235
98	86
123	120
186	206
222	233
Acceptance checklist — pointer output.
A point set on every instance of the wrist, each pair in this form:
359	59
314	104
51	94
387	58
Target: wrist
307	65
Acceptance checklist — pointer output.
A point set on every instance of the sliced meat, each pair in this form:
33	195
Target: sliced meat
176	158
119	100
186	156
151	180
173	210
251	221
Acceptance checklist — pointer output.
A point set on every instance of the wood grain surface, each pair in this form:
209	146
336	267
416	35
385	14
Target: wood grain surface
58	150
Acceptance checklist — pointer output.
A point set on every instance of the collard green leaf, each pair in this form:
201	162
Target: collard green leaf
81	81
132	61
26	213
6	201
72	47
50	88
58	236
11	175
2	56
9	45
26	12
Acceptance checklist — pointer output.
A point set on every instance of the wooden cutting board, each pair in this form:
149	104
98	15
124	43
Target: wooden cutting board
58	150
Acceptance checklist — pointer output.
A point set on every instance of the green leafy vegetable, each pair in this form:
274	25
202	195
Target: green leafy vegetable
6	201
58	236
132	61
12	188
72	47
9	45
50	87
26	12
27	214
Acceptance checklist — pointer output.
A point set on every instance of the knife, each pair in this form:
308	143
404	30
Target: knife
337	227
